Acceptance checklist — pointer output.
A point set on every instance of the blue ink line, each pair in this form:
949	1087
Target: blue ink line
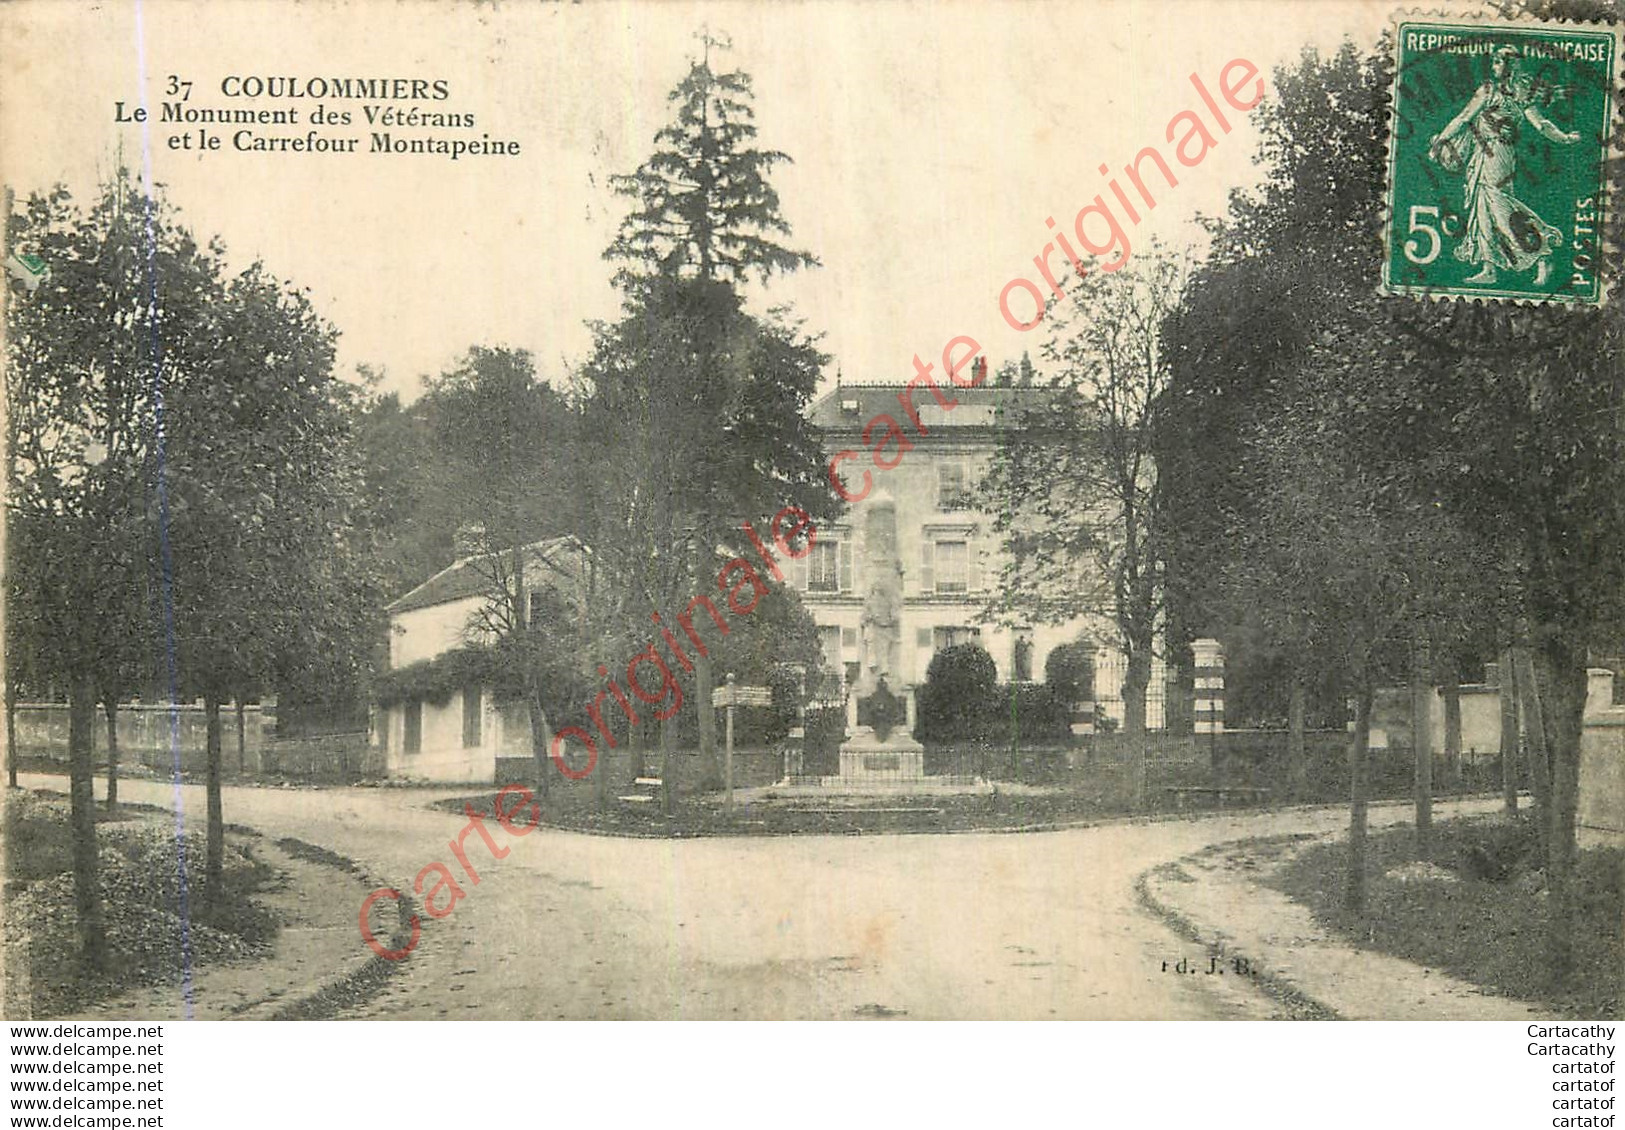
167	581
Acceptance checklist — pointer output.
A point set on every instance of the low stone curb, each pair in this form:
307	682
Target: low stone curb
1298	1004
1018	829
324	999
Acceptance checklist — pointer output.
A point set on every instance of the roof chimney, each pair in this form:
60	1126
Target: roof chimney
978	370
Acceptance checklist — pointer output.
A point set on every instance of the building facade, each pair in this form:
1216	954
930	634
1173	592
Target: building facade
458	733
951	557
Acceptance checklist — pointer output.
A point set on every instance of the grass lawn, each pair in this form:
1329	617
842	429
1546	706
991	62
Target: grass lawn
1482	915
141	879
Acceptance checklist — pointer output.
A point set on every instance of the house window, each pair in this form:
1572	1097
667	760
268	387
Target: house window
827	566
953	566
414	726
951	490
1021	656
823	568
471	717
954	636
829	643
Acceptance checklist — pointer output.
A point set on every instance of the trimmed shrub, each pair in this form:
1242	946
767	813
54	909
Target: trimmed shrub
1070	672
1028	713
959	696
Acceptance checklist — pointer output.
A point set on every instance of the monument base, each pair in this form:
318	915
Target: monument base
866	759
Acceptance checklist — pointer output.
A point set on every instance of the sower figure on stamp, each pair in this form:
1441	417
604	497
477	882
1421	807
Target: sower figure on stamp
1502	231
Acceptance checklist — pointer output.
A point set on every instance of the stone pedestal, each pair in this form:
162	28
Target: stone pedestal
866	759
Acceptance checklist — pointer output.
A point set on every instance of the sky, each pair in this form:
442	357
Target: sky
930	142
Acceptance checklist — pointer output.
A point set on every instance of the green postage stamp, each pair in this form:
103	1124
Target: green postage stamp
1497	163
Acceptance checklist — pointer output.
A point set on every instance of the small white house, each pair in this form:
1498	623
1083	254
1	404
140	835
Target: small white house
456	733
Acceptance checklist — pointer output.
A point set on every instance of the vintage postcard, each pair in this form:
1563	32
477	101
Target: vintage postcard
816	511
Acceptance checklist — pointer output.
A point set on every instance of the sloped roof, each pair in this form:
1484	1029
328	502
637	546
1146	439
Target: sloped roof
465	577
985	406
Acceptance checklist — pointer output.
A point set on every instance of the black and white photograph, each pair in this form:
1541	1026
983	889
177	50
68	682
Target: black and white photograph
825	511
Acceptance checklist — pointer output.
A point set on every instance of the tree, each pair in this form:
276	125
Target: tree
260	484
696	407
697	402
706	209
1499	426
1075	488
411	510
508	443
90	356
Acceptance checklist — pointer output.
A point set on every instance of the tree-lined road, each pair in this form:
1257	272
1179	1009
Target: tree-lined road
963	926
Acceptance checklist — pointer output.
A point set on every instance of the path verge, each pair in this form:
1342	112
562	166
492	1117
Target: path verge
1217	897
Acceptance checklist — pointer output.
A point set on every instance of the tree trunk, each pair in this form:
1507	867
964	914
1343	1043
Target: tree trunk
1509	735
635	744
1422	745
1354	883
110	707
1452	733
1295	766
1535	730
11	736
668	766
704	682
214	855
1565	679
600	775
541	732
87	898
540	739
1136	678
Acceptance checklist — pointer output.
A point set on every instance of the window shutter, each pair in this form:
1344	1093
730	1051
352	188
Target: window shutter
846	565
973	566
798	572
928	581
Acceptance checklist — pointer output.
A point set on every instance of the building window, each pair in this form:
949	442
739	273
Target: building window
954	636
824	567
827	566
1021	656
952	493
414	726
829	645
471	717
953	566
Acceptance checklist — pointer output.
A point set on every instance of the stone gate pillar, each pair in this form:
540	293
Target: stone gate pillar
1208	658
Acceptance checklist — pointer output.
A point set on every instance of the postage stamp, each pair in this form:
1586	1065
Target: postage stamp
1497	173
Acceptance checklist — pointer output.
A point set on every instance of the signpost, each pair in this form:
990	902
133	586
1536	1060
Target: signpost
731	695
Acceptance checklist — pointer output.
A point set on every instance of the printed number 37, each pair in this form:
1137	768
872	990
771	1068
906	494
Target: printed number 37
1418	224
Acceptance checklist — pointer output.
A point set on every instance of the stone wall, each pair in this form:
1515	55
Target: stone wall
149	734
1602	766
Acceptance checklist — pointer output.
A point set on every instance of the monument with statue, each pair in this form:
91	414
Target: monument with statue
880	746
